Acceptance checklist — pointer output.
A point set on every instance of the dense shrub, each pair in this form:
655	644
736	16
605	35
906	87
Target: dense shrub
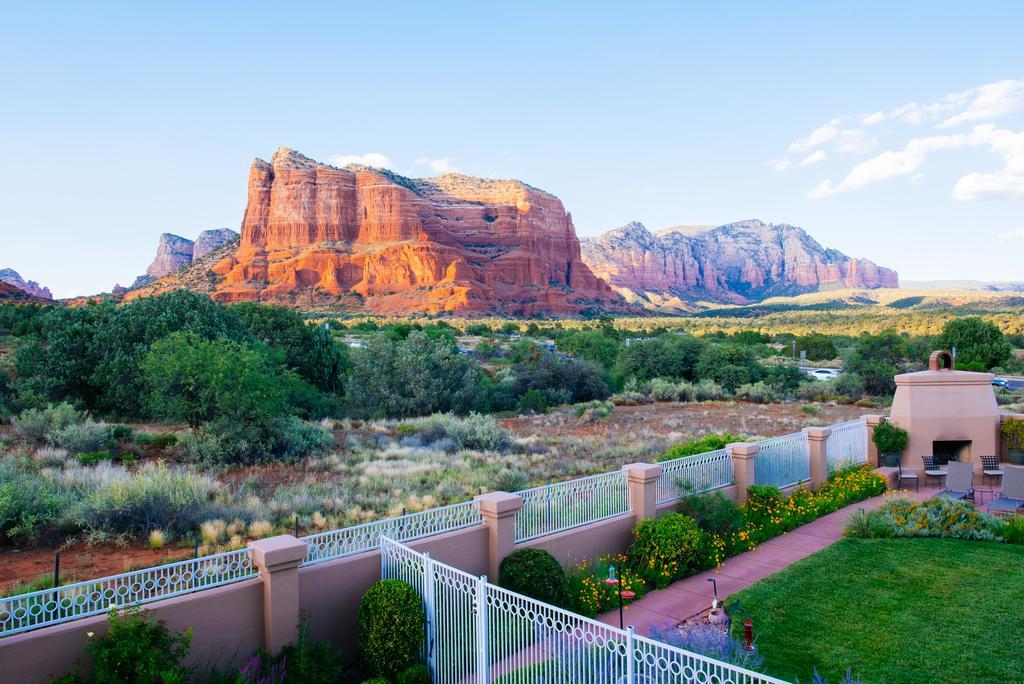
757	392
889	438
729	365
511	480
28	503
535	573
417	674
84	437
700	445
874	361
818	347
560	379
936	517
39	423
391	627
475	431
660	389
592	345
533	401
713	512
138	650
304	662
665	549
589	593
980	345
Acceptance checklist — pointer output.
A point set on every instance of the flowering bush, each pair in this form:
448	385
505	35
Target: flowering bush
708	640
938	517
665	549
768	513
591	595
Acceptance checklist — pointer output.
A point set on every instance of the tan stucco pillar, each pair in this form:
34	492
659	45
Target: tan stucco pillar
743	454
817	447
278	560
873	421
498	509
643	489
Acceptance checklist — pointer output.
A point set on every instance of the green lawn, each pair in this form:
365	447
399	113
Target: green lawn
894	610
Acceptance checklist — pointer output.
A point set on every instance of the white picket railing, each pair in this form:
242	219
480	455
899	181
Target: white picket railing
848	443
700	472
92	597
324	546
783	461
564	505
479	633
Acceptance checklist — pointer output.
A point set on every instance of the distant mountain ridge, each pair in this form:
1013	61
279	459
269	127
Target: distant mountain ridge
12	277
735	263
173	253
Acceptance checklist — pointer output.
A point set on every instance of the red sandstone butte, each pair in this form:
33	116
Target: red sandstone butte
446	244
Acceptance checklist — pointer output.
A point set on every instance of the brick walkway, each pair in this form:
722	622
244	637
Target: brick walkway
689	596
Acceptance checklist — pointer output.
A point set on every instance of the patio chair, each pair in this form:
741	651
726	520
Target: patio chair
959	481
910	477
990	469
932	470
1011	499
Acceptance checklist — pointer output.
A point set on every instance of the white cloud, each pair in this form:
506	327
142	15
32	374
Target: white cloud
813	158
989	101
818	137
374	159
1005	182
872	119
855	141
446	165
917	179
890	164
844	140
1011	235
780	164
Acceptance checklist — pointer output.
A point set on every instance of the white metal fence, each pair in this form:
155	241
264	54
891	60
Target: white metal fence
347	541
783	461
700	473
480	633
564	505
82	599
848	443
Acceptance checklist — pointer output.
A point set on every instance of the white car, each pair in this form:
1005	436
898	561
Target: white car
824	373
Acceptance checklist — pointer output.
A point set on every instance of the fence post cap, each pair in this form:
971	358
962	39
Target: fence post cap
499	503
873	419
275	552
642	472
817	432
743	449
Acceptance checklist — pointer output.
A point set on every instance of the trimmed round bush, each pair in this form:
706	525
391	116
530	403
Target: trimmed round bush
417	674
392	627
535	573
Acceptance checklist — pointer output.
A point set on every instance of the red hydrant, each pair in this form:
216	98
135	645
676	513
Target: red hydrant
748	634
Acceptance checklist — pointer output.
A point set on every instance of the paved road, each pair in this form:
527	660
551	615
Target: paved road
1015	384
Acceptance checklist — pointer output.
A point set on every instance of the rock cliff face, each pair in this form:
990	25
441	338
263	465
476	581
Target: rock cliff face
315	234
12	277
175	252
735	263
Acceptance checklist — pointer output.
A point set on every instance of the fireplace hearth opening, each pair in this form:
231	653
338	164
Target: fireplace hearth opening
949	450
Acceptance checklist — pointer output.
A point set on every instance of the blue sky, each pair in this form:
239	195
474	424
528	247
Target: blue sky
120	122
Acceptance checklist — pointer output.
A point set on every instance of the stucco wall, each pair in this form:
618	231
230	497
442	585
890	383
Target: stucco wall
227	625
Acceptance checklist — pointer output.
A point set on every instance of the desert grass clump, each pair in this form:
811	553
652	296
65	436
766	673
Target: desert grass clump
511	480
319	520
83	438
473	432
258	529
157	539
236	542
212	531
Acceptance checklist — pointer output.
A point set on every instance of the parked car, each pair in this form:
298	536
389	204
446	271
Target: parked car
824	373
1001	382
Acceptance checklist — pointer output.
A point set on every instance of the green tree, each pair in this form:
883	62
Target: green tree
308	350
412	377
665	356
729	365
818	347
980	345
875	359
592	345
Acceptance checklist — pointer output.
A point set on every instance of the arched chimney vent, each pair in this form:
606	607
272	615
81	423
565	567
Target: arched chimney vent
940	360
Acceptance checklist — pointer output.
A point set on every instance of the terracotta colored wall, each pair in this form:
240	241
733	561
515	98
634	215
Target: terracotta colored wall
590	541
329	593
227	624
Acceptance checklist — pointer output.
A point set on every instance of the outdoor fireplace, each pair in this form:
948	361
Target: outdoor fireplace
949	414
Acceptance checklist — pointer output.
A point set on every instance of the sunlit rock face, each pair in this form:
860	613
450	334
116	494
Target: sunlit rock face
447	244
735	263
